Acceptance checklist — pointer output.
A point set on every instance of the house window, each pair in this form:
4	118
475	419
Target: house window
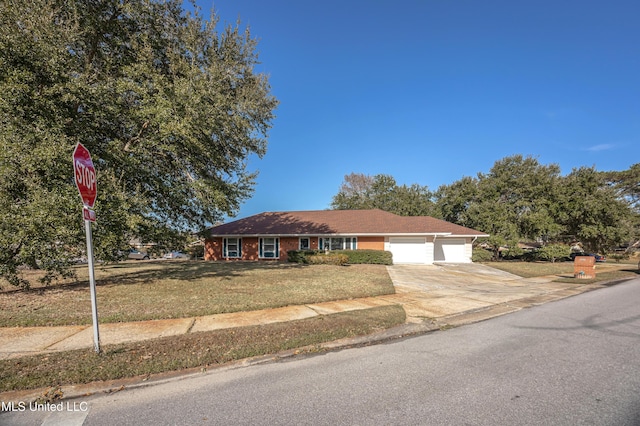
339	243
304	244
269	248
232	247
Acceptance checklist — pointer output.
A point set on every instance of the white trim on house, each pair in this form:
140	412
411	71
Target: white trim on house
347	243
269	248
238	248
308	246
351	234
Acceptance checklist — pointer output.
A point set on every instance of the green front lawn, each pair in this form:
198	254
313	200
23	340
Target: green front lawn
135	291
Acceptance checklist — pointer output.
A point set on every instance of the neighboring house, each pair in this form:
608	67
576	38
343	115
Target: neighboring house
411	239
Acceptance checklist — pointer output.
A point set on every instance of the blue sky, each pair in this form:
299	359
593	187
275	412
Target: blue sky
430	91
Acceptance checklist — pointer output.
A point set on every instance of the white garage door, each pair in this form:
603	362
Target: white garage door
408	250
451	250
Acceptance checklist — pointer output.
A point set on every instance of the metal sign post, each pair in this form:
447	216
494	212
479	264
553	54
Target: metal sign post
85	177
92	284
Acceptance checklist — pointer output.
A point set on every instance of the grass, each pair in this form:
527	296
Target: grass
135	291
191	350
564	270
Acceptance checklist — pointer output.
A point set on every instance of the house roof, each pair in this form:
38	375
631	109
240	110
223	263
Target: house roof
340	222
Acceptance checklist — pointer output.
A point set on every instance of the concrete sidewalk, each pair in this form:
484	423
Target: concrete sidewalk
437	296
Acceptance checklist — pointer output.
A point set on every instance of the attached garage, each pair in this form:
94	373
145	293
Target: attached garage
451	250
421	250
408	249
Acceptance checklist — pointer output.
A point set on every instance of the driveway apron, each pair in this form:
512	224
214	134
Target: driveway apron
442	290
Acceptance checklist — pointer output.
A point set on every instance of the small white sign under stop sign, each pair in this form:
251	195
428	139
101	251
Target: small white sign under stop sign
88	214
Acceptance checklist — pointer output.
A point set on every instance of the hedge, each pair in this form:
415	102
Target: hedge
300	256
328	259
378	257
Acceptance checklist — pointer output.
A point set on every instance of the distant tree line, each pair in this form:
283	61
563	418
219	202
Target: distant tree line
519	199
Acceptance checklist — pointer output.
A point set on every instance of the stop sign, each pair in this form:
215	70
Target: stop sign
85	175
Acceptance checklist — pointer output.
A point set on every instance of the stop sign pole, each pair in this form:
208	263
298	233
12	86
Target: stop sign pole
85	177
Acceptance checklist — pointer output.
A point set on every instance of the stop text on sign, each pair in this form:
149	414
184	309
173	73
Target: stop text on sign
85	176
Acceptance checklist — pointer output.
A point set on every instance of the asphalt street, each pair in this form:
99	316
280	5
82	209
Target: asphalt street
570	362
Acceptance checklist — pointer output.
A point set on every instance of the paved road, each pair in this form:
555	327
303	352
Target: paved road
571	362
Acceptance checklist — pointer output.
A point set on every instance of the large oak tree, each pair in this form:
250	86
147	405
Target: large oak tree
521	199
168	103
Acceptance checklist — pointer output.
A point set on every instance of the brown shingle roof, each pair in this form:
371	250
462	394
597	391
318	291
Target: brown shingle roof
328	222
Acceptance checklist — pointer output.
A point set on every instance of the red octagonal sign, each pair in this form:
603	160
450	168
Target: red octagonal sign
85	175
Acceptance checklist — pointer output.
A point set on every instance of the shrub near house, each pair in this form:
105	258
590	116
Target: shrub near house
377	257
327	259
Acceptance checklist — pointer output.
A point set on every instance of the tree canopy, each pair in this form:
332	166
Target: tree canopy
593	211
514	200
360	191
519	199
169	105
627	183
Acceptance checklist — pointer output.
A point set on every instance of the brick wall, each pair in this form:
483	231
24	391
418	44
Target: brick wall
213	249
213	246
293	243
286	244
371	243
250	248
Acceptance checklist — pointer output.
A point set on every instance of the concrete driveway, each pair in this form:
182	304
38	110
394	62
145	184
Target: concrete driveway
441	292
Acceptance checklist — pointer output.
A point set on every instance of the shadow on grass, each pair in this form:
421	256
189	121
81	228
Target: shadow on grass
189	270
148	272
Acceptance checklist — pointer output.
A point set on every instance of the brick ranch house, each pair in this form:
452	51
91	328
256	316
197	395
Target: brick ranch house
269	235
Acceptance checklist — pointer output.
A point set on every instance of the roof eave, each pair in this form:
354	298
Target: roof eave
356	234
